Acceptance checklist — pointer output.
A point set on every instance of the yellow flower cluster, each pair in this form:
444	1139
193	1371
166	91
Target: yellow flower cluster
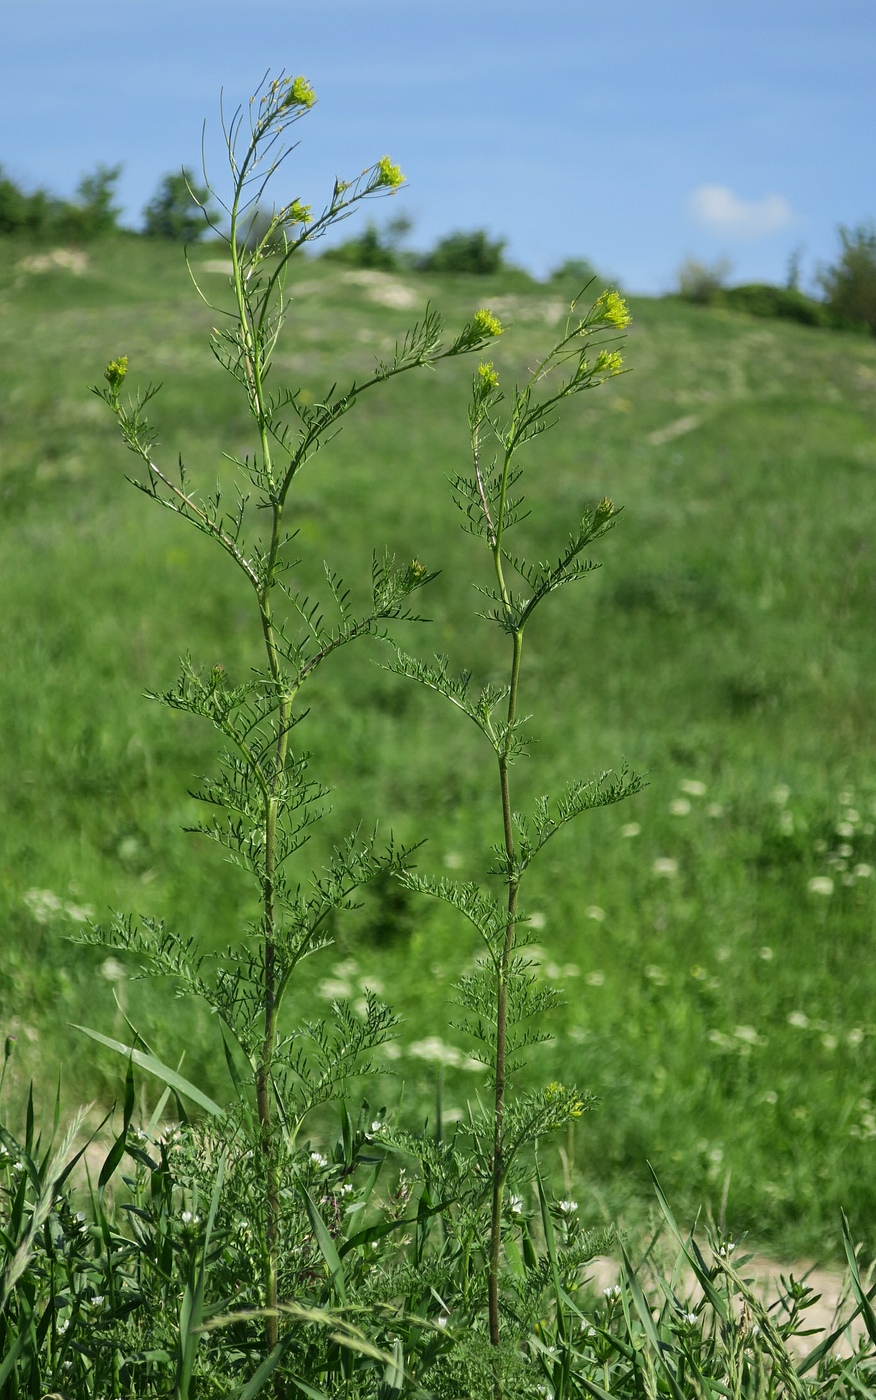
612	309
300	94
485	323
609	362
555	1093
388	175
297	213
115	372
488	379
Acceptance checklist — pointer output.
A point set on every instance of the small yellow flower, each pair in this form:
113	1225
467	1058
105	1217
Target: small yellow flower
612	309
389	176
487	379
484	323
609	362
115	372
298	213
300	94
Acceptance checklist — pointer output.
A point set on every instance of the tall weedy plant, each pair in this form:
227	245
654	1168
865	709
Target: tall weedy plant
502	998
264	799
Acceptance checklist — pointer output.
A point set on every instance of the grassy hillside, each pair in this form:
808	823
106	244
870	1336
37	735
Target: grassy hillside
720	1005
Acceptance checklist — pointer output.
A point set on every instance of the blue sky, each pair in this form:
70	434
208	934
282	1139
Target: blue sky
631	133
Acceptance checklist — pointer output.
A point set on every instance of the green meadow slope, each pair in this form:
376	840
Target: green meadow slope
719	1002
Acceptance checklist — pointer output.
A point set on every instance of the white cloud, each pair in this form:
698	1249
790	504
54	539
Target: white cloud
724	212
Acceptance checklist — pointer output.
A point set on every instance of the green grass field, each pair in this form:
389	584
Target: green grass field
720	1005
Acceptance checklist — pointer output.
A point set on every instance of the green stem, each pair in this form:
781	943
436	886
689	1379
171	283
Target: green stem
252	351
499	1164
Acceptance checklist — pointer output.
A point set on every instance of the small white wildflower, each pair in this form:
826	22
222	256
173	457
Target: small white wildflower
613	1292
595	978
515	1204
820	884
845	829
853	816
693	787
98	1299
655	974
798	1019
679	807
769	1096
568	1207
716	1156
318	1159
434	1048
80	1214
332	988
571	970
453	860
748	1034
855	1036
863	871
665	865
537	921
845	850
187	1217
630	829
766	953
846	798
376	1125
442	1320
691	1318
79	913
593	911
43	904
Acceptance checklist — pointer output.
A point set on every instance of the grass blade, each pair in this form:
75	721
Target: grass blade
152	1066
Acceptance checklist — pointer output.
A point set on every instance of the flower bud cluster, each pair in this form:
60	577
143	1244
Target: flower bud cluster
389	176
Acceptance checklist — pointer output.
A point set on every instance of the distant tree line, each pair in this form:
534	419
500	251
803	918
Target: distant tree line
847	286
175	211
181	210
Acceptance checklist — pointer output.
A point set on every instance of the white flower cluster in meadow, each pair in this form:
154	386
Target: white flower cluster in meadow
46	907
851	825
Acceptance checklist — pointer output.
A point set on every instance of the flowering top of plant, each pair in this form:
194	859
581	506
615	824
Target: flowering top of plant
389	175
485	323
300	94
611	308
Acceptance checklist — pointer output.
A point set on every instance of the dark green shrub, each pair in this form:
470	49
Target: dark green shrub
473	252
93	214
701	282
785	303
25	213
177	209
850	285
374	247
574	273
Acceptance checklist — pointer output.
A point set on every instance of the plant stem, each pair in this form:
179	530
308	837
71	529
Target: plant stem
252	345
502	1000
